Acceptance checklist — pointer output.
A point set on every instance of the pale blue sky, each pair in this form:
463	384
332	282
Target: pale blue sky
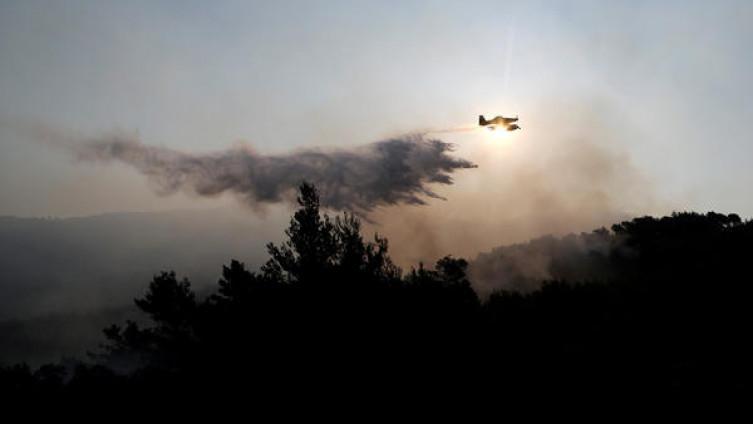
667	84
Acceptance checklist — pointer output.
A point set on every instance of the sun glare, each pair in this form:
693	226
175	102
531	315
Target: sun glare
497	134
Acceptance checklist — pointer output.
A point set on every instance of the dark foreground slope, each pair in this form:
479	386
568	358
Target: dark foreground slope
329	314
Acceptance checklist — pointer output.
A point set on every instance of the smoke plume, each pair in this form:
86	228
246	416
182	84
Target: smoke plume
524	266
393	171
567	172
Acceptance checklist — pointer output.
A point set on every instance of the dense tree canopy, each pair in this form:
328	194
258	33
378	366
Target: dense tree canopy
672	317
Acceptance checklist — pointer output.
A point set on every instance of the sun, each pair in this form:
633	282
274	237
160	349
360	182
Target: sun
497	134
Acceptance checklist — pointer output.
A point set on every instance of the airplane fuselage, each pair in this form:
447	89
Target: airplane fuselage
507	123
501	120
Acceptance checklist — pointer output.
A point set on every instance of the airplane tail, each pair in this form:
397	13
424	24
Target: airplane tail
481	120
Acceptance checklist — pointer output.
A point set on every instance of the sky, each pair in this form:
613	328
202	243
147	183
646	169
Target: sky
627	107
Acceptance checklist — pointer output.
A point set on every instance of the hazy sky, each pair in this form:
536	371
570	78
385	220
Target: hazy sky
662	87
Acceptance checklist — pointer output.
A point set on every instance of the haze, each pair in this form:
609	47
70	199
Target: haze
627	108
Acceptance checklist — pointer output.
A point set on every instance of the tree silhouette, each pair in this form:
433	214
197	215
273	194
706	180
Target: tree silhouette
320	250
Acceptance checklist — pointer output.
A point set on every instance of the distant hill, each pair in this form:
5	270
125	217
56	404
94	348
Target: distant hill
63	280
84	264
606	255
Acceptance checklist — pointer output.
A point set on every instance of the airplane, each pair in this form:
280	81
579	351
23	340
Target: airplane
492	124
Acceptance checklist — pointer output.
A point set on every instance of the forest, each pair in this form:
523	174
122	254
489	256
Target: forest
329	309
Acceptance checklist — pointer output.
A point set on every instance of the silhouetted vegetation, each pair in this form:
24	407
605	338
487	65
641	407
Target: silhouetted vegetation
330	310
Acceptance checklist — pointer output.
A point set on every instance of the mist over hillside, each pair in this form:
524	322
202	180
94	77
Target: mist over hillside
525	266
84	264
63	280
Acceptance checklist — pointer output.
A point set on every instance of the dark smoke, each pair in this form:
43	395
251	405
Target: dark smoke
388	172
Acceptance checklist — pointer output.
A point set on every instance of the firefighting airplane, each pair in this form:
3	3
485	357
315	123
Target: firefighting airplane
508	123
